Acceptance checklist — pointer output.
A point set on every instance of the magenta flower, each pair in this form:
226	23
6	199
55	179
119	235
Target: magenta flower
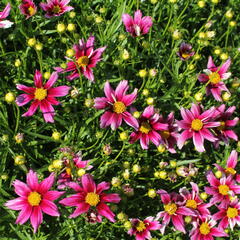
137	26
141	229
4	14
43	96
230	216
86	58
195	124
34	198
116	103
55	8
174	210
203	229
193	201
169	137
149	126
222	190
28	8
91	195
224	131
185	51
214	76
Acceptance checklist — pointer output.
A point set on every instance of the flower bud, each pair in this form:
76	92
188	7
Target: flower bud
70	52
107	150
136	168
31	42
136	114
61	27
152	193
39	46
9	97
18	63
150	101
142	73
81	172
123	136
145	92
19	160
116	182
226	96
198	96
56	135
57	164
19	138
126	174
89	102
161	148
46	75
203	196
218	174
71	27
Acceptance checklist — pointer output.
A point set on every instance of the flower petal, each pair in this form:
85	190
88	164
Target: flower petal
36	217
49	208
53	78
82	208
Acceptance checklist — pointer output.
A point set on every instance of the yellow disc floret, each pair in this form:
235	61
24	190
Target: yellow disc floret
165	134
145	128
222	126
56	9
232	212
119	107
83	61
191	203
31	11
223	189
197	124
34	198
170	208
92	199
230	171
214	78
40	94
140	226
204	228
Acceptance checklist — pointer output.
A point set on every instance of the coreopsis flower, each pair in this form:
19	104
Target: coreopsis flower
89	195
54	8
137	26
230	215
174	210
115	103
203	229
196	124
4	14
213	78
28	8
34	199
43	96
222	190
169	136
185	51
141	229
149	125
193	201
224	131
85	59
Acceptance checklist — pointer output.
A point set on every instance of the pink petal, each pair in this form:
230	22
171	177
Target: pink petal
148	112
134	137
24	214
36	217
88	73
90	42
127	20
102	186
212	179
73	200
165	197
207	135
23	99
32	180
104	120
109	92
216	94
183	138
198	141
154	137
52	100
105	211
16	204
47	110
178	223
225	67
144	141
183	124
21	188
88	183
26	89
231	134
52	195
219	215
195	109
38	79
186	115
212	124
137	17
46	184
49	208
185	211
203	78
32	109
58	91
210	64
112	197
146	23
82	208
96	56
210	190
160	126
232	123
100	102
130	120
121	90
218	233
53	78
232	160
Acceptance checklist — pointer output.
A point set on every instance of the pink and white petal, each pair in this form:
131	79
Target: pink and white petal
58	91
49	208
115	120
198	141
232	123
225	76
186	134
44	6
82	208
26	89
203	78
21	189
105	211
88	183
32	180
207	135
47	110
100	103
183	124
127	20
146	23
17	203
208	114
212	124
23	99
102	186
90	42
112	197
210	190
104	120
96	56
46	184
218	233
178	223
212	180
109	92
134	137
219	215
148	112
138	17
73	200
130	120
52	100
118	120
165	197
154	137
216	94
185	211
154	225
144	141
88	73
195	109
32	109
5	12
130	98
5	24
36	217
231	134
160	126
24	214
52	195
210	64
53	78
224	68
121	90
232	160
38	79
186	115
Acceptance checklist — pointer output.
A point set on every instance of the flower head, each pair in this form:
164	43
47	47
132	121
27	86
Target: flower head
43	96
28	8
34	199
85	59
141	229
185	51
4	14
116	103
214	76
196	124
89	195
54	8
137	26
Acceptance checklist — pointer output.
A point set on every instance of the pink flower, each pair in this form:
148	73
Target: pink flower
55	8
34	198
173	210
230	216
195	124
203	229
141	229
4	14
43	96
28	8
149	126
221	189
116	103
193	201
214	76
224	132
137	26
169	136
86	58
91	195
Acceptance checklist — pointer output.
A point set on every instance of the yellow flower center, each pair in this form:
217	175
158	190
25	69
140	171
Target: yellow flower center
119	107
92	199
232	212
191	204
145	128
40	93
170	208
185	55
222	126
214	78
34	198
31	11
56	9
165	134
68	171
83	61
140	226
196	124
204	228
230	171
223	189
